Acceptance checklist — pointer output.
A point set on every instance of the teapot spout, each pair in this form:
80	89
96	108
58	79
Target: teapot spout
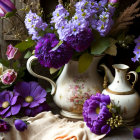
108	73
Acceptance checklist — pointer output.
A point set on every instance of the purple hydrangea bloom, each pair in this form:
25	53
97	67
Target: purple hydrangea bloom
136	133
4	126
20	125
96	113
32	94
81	41
31	112
9	104
50	56
34	24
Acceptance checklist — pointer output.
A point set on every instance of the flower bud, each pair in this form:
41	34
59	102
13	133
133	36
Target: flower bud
113	1
5	7
12	52
20	125
8	77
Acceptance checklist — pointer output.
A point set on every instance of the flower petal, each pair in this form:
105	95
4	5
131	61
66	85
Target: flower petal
4	111
15	109
105	129
14	100
8	114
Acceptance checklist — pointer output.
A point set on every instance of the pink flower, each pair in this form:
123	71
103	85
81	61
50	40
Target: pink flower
113	1
5	7
12	52
8	77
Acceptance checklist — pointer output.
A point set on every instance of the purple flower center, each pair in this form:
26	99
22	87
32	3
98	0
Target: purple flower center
5	104
29	99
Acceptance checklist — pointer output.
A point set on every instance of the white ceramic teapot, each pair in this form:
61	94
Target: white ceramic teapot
122	92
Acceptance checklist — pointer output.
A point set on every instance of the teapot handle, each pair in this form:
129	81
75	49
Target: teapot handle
29	68
136	77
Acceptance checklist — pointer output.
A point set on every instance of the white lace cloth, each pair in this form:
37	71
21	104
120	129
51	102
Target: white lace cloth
46	126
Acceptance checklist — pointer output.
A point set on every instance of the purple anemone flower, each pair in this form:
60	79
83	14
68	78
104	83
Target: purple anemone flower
96	113
51	56
32	94
136	133
81	41
9	104
4	126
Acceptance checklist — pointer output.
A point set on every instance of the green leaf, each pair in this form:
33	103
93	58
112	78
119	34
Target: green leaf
28	55
24	45
99	46
138	69
112	50
53	70
10	14
84	62
5	63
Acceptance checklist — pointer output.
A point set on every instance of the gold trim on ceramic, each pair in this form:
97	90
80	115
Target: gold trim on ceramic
120	93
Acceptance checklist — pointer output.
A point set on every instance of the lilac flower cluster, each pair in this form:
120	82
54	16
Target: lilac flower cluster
26	97
50	53
96	113
136	50
34	24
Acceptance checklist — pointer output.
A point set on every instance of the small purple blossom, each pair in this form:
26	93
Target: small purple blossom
81	41
96	113
136	50
34	24
136	133
9	104
20	125
50	56
4	126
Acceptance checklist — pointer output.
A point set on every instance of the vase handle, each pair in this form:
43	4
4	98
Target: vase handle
136	77
29	68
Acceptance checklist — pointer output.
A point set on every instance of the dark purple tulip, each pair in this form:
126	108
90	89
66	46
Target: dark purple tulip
136	133
5	7
20	125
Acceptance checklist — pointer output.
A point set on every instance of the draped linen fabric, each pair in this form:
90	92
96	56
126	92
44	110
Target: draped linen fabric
46	126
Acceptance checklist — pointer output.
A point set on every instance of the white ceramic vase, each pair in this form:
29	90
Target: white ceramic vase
73	88
122	92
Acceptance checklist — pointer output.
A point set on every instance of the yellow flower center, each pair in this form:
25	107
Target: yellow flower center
58	14
97	110
74	30
62	27
79	24
5	104
82	10
102	27
29	99
139	47
76	18
92	3
29	20
84	14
